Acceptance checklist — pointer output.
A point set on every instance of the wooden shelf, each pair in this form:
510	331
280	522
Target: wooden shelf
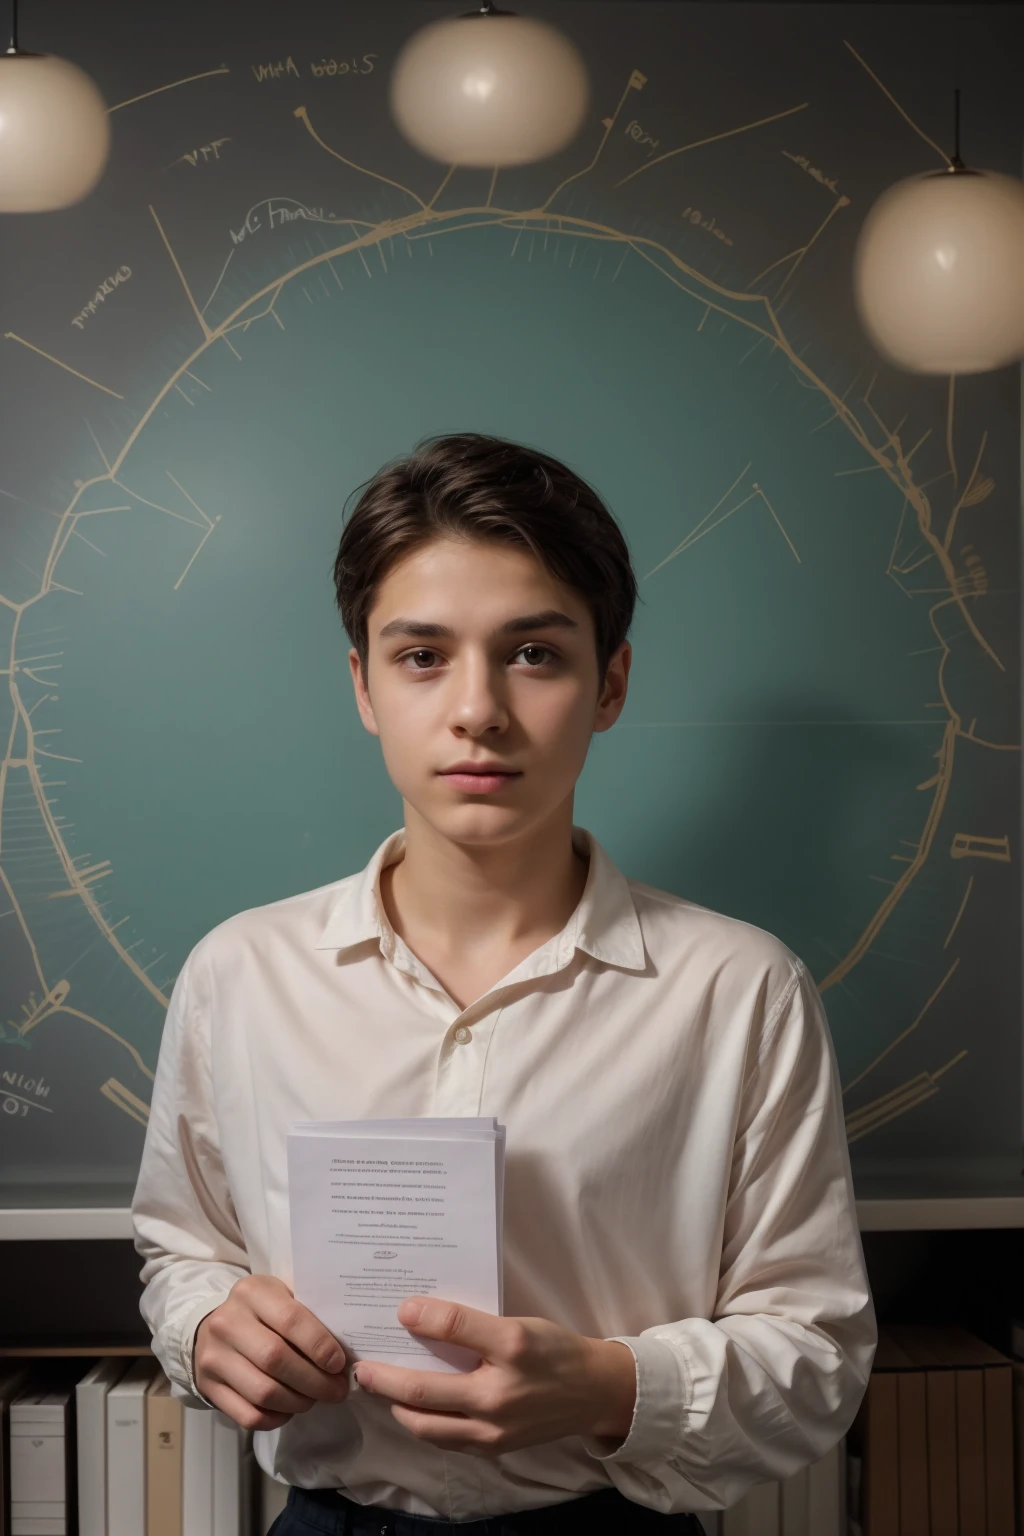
63	1222
903	1214
96	1347
947	1213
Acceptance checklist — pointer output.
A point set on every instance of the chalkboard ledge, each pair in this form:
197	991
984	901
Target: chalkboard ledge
898	1214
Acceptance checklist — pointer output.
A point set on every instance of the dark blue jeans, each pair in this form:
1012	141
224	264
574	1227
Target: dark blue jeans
594	1514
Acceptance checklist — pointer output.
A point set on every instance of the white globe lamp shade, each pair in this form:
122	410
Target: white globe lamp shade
489	89
939	272
54	133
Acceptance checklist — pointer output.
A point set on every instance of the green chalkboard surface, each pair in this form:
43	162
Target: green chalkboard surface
270	293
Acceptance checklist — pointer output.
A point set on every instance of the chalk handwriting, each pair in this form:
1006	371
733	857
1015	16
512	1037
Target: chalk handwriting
36	1085
19	1104
635	132
812	170
193	156
363	66
276	71
694	216
300	211
102	293
276	216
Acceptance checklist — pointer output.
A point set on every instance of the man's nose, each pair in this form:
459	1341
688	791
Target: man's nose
478	697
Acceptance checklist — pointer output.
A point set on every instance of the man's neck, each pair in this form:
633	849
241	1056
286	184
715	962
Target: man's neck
482	907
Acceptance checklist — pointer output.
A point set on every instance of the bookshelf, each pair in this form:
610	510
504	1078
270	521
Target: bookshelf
71	1278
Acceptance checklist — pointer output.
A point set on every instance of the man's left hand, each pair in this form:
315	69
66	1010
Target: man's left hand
536	1382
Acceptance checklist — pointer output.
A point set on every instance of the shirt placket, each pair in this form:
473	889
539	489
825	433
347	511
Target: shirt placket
463	1048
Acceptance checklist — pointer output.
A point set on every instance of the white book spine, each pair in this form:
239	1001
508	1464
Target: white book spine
273	1499
793	1505
734	1520
126	1454
227	1476
91	1444
826	1515
764	1502
197	1471
38	1469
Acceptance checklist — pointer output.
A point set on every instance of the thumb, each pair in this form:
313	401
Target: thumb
451	1322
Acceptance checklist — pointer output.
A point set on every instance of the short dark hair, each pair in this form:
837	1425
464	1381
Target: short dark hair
470	485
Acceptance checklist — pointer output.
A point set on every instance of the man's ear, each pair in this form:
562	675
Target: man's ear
362	693
613	691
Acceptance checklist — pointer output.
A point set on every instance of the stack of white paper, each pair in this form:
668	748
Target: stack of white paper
384	1209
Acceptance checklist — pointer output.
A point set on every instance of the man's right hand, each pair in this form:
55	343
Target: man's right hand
261	1356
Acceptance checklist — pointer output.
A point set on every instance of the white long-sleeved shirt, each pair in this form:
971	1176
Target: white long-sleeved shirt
677	1177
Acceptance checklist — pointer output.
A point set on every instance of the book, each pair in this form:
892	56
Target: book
794	1505
272	1499
12	1380
756	1514
912	1416
126	1450
954	1434
384	1209
943	1494
197	1471
1000	1517
233	1466
91	1436
826	1493
1018	1439
880	1481
42	1455
854	1488
163	1459
970	1439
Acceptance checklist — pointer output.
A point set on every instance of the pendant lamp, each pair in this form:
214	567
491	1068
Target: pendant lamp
54	130
939	270
489	88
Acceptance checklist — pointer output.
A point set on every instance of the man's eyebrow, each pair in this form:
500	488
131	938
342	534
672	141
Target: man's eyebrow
424	629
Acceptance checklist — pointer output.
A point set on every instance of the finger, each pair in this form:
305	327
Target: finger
473	1436
433	1390
264	1352
265	1391
278	1308
313	1360
247	1414
494	1338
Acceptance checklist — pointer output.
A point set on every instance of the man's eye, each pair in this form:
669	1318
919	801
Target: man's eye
539	656
535	655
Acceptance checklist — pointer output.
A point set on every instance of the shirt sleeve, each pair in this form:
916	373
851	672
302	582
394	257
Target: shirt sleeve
773	1379
184	1222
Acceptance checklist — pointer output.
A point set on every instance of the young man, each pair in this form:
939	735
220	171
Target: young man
687	1312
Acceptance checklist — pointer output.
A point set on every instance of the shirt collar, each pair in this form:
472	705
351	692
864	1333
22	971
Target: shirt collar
604	924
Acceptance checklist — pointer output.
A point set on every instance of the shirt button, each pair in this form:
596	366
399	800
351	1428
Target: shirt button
462	1034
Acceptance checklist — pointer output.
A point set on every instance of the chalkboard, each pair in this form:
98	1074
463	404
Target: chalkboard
270	294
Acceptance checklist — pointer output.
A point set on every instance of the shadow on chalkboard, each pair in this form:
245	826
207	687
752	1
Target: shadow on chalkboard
805	803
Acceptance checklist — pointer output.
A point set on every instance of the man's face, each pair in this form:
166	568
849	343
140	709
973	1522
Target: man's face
477	655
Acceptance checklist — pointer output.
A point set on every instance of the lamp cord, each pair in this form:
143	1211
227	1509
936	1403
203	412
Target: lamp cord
14	27
956	126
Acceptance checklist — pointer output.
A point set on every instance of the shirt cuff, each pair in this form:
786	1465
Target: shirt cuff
663	1396
187	1338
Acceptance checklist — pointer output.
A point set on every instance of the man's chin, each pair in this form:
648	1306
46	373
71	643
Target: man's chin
480	822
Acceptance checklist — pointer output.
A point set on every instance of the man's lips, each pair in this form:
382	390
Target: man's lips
484	767
479	780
